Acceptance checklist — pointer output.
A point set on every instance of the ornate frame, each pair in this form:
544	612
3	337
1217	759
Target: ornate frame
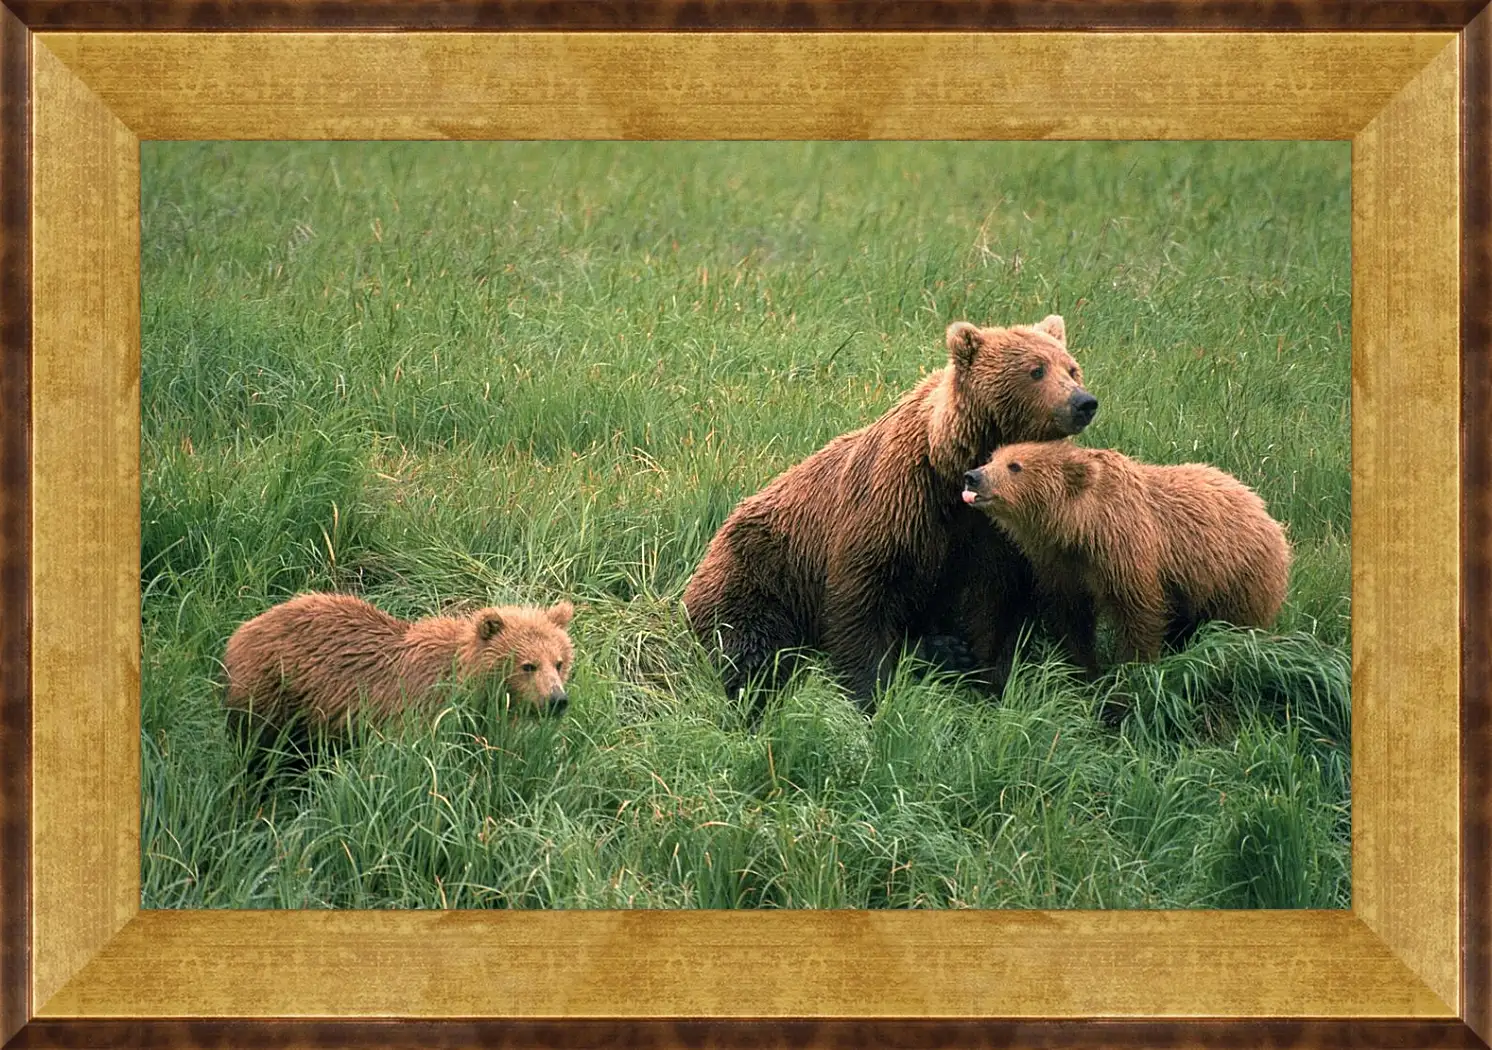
1409	82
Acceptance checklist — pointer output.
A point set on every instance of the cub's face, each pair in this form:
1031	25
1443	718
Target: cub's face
1029	480
531	649
1023	377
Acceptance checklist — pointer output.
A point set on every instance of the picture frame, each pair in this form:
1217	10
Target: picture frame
81	84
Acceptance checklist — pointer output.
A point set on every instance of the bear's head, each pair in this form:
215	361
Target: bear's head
530	648
1028	482
1020	381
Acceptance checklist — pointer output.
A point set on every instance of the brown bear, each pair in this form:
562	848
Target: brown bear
866	543
1159	549
325	657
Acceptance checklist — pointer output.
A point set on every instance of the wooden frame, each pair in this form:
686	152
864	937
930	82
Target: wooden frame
1409	83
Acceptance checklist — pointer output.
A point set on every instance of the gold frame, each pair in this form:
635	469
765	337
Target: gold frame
1396	954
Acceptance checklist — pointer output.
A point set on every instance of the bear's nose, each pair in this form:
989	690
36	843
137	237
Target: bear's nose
558	701
1084	407
971	479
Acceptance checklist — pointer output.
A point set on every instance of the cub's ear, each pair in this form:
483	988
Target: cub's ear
490	624
1079	474
561	613
963	343
1054	326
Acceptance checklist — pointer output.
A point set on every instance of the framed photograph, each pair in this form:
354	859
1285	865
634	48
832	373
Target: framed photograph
460	306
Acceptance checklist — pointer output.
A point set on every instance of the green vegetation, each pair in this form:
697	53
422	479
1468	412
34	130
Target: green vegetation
443	375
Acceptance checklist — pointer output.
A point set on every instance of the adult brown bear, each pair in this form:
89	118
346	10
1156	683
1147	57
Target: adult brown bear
867	542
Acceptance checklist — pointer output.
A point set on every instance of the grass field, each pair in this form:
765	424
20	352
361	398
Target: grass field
440	375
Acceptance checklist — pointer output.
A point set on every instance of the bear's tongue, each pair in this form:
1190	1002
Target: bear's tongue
970	495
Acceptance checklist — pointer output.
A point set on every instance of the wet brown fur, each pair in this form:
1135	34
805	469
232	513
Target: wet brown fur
866	542
327	656
1160	549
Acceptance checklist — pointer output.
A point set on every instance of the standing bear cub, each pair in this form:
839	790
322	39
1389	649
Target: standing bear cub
326	657
866	543
1160	549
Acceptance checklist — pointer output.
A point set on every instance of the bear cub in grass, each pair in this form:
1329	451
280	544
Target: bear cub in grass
866	544
326	657
1160	549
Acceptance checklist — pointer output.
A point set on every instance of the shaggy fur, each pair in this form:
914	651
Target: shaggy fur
1161	549
866	542
328	656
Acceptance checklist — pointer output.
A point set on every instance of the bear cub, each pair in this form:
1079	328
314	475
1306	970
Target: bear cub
1159	549
323	658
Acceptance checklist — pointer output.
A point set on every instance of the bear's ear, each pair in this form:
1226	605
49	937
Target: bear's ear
963	343
1079	474
1054	326
561	613
490	624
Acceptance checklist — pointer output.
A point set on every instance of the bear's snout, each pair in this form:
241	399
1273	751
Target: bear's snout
558	701
1084	407
974	494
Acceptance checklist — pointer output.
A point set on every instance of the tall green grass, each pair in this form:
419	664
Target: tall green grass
443	374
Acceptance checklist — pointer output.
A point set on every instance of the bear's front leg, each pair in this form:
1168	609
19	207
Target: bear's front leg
1140	606
985	598
863	651
1073	618
864	629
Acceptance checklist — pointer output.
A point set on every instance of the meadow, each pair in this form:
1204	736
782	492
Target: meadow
449	375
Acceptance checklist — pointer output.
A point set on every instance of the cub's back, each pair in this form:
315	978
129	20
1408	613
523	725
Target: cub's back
1212	517
314	643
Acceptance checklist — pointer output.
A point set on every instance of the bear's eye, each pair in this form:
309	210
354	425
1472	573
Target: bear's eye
1015	468
1038	371
559	665
1073	372
530	668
